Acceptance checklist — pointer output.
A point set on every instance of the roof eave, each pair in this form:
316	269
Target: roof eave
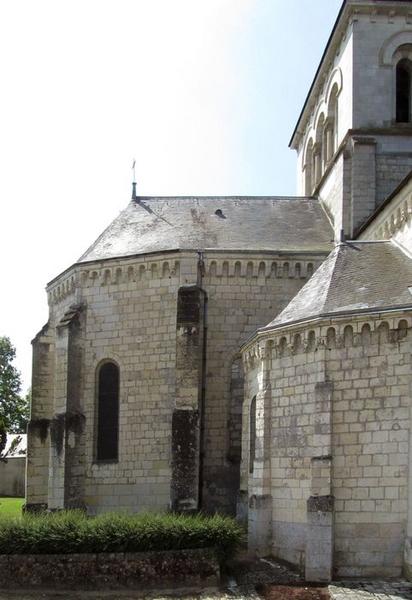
298	252
324	318
341	23
297	133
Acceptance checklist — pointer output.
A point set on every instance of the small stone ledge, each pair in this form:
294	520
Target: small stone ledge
190	570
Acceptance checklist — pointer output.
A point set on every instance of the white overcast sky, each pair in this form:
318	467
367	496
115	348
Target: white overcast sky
203	93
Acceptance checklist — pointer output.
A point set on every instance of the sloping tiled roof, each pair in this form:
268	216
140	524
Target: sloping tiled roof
243	223
20	449
356	277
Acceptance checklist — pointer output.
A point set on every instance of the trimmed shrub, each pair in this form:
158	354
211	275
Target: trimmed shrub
69	532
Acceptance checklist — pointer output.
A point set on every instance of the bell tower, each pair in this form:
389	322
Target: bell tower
354	135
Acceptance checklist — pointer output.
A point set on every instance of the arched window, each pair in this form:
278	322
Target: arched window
308	173
403	91
332	124
108	412
316	164
320	161
252	434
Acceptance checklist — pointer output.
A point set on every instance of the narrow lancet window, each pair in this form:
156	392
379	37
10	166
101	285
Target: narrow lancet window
308	169
403	91
252	434
108	412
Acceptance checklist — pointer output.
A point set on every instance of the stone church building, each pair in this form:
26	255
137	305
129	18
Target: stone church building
253	355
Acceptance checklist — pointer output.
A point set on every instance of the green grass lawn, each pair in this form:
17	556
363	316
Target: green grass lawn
11	507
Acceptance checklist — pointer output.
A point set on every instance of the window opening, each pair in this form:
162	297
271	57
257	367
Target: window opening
252	434
403	91
108	412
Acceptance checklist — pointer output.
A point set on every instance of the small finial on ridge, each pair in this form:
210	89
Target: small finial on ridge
134	195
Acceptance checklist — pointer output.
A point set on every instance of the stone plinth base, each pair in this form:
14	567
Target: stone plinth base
260	525
319	540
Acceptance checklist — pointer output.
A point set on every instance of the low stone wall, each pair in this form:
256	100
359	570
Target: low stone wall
190	570
12	476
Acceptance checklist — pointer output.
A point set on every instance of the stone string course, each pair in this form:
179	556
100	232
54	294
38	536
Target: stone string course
128	273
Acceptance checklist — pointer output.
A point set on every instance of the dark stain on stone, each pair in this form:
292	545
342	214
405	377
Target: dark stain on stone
39	428
74	422
322	504
64	423
325	457
34	507
57	432
185	428
260	501
188	306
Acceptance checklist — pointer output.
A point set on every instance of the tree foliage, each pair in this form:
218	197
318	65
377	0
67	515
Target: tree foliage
3	439
14	409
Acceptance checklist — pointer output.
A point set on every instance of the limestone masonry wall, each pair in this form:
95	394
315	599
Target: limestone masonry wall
242	295
131	319
394	220
340	426
188	570
126	311
390	170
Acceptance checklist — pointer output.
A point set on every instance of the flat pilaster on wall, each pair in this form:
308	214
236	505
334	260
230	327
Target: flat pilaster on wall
185	460
186	418
260	525
320	505
319	541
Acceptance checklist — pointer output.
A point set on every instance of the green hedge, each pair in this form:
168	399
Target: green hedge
73	532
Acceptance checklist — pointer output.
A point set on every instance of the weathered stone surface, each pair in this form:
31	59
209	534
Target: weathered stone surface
340	405
185	460
259	526
319	539
184	568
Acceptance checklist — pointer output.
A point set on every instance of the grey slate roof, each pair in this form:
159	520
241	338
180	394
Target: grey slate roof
356	277
245	223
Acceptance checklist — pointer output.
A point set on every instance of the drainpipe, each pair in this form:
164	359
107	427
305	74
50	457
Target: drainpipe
200	274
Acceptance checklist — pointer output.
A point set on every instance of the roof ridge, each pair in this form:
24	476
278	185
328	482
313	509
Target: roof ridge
321	295
354	278
339	258
224	197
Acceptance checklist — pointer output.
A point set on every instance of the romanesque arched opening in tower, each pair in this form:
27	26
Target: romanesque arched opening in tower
108	412
403	91
332	124
308	169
